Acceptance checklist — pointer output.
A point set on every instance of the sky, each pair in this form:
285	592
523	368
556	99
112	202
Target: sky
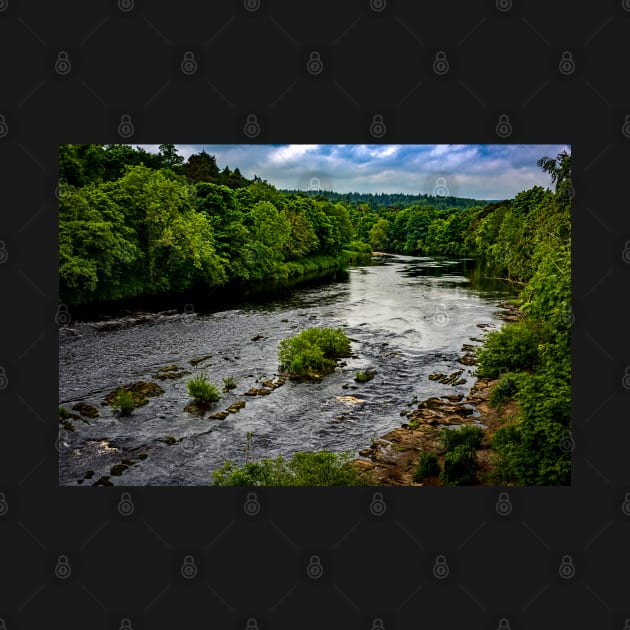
477	171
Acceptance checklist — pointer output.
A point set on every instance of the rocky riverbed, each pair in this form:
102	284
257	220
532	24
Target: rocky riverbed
413	322
391	460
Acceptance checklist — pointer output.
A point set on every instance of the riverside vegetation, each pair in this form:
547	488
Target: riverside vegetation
134	224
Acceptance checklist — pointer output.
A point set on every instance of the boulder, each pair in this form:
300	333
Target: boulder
118	469
257	391
236	407
219	415
86	410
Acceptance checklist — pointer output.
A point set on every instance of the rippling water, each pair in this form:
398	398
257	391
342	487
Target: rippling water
407	318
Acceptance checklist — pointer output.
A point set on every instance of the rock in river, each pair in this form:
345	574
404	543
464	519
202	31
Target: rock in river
86	410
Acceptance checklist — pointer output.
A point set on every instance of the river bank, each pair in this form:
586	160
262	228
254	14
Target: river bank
299	273
391	460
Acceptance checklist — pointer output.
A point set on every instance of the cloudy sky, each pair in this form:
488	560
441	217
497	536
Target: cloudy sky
481	171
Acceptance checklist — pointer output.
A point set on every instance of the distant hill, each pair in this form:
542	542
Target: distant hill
396	200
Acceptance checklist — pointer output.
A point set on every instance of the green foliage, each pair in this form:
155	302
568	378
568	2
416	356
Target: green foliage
428	466
64	414
460	466
229	383
359	246
381	201
133	223
467	435
363	377
202	391
270	230
379	238
513	348
529	450
321	468
505	389
312	352
123	402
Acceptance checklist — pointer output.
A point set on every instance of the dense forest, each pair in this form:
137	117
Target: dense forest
133	223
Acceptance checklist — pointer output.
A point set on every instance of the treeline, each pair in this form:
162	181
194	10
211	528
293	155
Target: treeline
132	223
378	201
531	240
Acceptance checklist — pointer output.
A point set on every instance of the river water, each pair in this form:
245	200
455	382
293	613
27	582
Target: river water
407	317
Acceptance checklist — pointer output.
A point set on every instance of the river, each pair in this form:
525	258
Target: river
407	317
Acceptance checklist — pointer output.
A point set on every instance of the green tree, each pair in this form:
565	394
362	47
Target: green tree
270	231
170	158
201	167
96	248
379	238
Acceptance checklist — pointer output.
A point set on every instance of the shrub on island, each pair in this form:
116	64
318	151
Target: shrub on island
202	391
312	352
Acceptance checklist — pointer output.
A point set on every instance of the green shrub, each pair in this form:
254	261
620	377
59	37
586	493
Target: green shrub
513	348
322	468
229	383
428	466
266	472
359	246
201	391
467	435
123	402
505	389
460	466
529	449
64	414
312	352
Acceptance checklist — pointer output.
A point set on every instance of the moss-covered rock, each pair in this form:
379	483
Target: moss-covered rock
219	415
236	407
363	377
84	409
448	379
258	391
198	360
140	392
468	359
170	372
198	409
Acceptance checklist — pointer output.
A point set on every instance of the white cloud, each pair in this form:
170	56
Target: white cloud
477	171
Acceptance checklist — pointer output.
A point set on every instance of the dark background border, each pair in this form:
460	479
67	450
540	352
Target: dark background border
123	570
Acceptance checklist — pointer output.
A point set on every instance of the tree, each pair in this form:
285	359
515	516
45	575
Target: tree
97	251
379	234
170	158
270	231
201	167
559	167
302	239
